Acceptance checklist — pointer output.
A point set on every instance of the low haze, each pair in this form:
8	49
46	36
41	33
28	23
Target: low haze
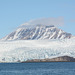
46	21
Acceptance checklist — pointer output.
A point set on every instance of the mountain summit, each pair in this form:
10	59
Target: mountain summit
37	32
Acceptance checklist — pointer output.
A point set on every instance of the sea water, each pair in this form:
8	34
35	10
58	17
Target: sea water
47	68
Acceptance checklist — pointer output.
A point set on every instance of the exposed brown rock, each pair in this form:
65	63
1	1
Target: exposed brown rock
57	59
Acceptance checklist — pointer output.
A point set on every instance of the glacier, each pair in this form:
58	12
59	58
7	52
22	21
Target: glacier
22	50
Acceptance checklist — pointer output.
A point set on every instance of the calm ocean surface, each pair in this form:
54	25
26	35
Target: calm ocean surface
50	68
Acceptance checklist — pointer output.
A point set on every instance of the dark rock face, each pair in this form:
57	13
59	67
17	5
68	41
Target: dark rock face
57	59
63	58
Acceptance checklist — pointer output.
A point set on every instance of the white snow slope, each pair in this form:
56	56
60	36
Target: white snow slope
37	32
22	50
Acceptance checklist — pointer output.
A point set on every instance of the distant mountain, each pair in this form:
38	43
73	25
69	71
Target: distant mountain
29	44
37	32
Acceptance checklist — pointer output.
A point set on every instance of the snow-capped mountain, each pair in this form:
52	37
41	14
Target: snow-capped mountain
37	32
36	42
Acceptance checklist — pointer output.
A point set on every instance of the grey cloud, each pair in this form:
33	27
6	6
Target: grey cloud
46	21
73	20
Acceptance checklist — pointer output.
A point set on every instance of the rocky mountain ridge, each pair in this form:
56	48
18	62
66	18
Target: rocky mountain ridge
38	32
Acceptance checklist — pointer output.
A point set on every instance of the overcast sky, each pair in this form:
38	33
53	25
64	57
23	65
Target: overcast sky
13	13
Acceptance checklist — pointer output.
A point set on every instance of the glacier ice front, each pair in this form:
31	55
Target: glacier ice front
22	50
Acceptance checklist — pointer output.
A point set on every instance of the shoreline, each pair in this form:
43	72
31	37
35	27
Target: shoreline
57	59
